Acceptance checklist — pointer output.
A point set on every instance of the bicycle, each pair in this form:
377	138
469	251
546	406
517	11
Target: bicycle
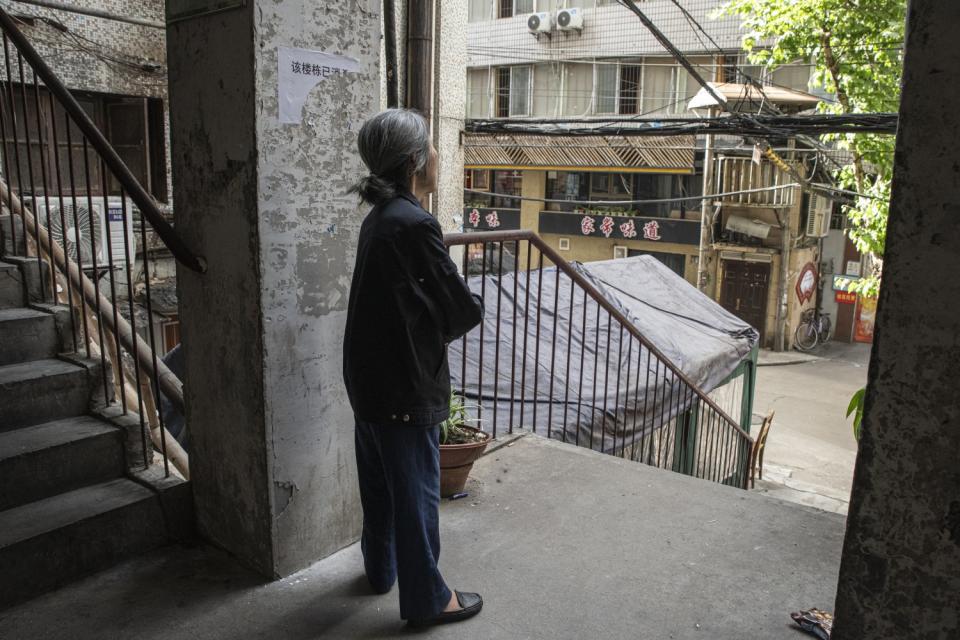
813	329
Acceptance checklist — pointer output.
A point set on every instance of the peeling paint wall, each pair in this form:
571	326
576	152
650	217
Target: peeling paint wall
308	226
900	573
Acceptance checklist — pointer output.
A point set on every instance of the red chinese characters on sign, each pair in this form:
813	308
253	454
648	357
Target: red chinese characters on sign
651	230
587	225
845	297
475	218
606	227
628	229
493	220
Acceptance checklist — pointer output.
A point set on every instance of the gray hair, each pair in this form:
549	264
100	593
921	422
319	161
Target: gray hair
395	146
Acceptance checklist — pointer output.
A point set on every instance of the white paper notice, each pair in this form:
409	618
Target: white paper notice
299	72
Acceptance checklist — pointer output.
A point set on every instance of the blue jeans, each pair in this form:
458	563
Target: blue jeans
399	472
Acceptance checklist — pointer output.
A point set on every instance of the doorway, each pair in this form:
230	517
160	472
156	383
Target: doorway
744	292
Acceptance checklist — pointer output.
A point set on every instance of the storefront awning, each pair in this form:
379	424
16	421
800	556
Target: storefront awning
668	154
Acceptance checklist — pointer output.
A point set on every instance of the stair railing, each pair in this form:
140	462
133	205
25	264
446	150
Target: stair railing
557	355
56	171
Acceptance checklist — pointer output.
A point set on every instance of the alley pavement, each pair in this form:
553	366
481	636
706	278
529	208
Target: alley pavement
811	450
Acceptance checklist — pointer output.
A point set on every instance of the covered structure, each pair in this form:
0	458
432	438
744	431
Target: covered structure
566	372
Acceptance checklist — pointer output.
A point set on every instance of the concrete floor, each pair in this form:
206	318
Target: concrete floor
562	542
811	450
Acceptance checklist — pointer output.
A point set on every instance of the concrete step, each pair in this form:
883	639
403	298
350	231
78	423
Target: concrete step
46	459
11	286
47	543
37	288
27	334
42	391
6	237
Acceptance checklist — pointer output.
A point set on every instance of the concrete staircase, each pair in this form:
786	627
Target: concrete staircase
71	499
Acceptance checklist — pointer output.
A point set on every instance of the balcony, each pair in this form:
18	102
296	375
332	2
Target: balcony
561	541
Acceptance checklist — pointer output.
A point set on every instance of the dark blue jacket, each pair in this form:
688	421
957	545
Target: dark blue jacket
407	302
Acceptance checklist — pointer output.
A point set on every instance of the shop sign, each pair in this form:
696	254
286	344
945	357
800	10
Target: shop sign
845	297
621	227
843	283
807	282
477	219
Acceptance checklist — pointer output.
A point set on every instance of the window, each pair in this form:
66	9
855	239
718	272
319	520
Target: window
478	93
659	85
480	10
630	78
510	8
606	3
508	183
606	83
513	91
795	75
171	332
578	89
520	91
134	126
566	185
837	218
503	92
480	179
687	87
546	84
610	186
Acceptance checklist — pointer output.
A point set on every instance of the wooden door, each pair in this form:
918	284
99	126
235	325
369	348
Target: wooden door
744	292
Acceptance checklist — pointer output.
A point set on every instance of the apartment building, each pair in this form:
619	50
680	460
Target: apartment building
602	197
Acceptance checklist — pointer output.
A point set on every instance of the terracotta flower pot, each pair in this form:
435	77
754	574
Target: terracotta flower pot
456	460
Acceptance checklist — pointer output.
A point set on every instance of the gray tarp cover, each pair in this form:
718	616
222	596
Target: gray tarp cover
531	376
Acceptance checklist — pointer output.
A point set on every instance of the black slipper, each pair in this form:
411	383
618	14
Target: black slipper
471	603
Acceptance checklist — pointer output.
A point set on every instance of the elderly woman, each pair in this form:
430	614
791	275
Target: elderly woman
407	302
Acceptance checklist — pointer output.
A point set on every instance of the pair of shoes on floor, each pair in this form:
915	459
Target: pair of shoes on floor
471	603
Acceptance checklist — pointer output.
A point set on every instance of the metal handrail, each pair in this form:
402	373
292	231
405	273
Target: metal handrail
169	385
146	204
453	239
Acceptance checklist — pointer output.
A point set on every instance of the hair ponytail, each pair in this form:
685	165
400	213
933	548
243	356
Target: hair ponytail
375	189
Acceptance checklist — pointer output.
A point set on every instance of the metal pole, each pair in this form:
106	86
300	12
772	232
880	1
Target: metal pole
705	217
96	13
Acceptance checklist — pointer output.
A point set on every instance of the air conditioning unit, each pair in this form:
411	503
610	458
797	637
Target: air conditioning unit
570	20
539	23
106	224
819	209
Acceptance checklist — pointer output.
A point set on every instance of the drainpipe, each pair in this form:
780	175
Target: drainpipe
390	47
784	289
420	56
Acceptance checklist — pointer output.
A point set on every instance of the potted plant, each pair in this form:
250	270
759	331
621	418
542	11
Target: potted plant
460	446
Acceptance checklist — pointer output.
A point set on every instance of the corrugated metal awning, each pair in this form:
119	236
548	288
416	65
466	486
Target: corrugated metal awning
667	154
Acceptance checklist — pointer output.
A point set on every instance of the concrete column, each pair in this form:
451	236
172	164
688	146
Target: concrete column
533	185
266	204
900	574
449	110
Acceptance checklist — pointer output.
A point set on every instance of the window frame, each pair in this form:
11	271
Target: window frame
503	106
